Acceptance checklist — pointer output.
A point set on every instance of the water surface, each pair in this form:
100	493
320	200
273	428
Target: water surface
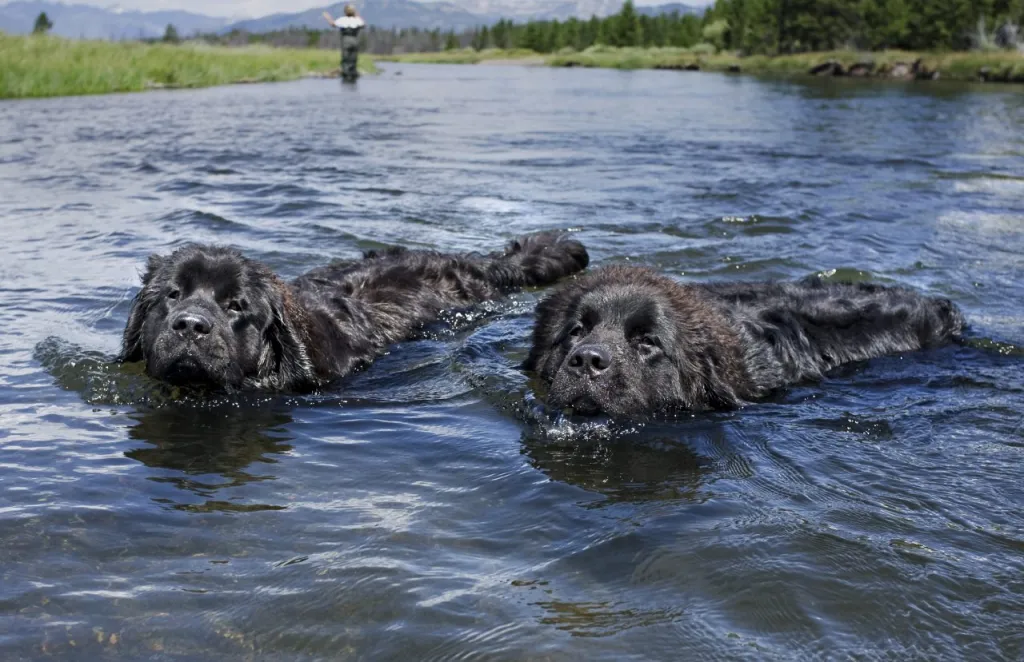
419	512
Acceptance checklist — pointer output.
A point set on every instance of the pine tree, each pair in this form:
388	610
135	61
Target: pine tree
554	40
500	34
625	28
43	24
171	34
571	33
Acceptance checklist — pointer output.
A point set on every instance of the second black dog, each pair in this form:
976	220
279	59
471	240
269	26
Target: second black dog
624	340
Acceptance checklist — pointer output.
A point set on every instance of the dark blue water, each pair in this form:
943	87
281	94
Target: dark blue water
419	513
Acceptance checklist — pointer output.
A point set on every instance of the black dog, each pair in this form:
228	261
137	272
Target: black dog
624	340
207	315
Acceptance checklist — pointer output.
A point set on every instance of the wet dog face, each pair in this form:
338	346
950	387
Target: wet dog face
625	341
607	346
205	316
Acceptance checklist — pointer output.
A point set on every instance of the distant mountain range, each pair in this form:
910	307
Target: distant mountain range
382	13
89	22
452	14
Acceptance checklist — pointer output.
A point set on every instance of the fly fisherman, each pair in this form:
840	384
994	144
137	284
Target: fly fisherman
350	25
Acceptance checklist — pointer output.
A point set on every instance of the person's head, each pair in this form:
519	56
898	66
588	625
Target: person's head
350	10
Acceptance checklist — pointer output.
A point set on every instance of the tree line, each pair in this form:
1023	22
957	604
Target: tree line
745	26
778	26
790	26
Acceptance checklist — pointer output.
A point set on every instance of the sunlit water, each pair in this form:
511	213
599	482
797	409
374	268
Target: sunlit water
428	510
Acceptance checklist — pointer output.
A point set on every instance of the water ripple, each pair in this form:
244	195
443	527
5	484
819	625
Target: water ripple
430	507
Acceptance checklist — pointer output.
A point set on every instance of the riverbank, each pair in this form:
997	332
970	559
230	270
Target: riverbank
41	66
999	66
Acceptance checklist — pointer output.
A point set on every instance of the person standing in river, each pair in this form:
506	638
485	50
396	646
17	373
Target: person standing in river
350	25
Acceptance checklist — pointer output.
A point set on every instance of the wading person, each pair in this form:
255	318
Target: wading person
350	25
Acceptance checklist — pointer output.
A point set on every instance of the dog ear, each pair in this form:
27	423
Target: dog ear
549	319
285	362
131	342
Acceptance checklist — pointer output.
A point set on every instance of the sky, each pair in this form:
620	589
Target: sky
255	8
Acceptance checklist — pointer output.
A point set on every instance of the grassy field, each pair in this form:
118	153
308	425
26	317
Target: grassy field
1003	65
463	56
40	66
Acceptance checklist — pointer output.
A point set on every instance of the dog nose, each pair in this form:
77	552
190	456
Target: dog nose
192	323
594	359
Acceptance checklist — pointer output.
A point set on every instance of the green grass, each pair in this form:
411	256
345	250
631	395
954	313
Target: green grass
464	56
1003	65
42	66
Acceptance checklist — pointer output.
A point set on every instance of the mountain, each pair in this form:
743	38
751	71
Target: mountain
559	9
381	13
452	14
88	22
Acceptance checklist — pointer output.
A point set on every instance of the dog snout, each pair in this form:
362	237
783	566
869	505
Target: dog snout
590	359
191	323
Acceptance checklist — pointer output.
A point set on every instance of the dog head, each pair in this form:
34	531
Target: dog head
626	341
208	316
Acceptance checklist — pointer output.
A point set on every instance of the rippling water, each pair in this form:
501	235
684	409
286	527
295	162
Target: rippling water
421	512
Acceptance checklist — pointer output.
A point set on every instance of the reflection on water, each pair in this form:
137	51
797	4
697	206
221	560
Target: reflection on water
430	508
638	467
214	447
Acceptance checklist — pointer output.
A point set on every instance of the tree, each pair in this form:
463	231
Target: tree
451	42
533	37
571	34
171	34
500	34
887	23
43	24
625	29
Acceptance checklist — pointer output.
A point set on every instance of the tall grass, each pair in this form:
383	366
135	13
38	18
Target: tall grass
43	66
463	56
1004	65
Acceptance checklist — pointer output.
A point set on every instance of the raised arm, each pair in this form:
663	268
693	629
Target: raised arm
330	19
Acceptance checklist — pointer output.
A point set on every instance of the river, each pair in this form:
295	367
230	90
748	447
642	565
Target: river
417	513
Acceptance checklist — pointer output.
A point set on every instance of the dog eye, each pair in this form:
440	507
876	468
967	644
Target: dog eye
174	294
236	306
648	342
576	331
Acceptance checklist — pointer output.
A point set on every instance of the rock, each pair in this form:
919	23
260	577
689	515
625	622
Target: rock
678	66
1004	75
900	70
734	69
830	68
922	72
861	69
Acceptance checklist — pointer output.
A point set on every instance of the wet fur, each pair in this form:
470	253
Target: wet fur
301	335
718	346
